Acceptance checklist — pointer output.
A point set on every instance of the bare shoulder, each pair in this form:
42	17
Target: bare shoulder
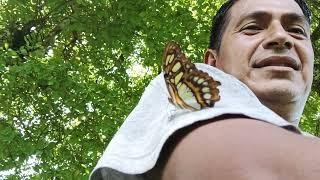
239	148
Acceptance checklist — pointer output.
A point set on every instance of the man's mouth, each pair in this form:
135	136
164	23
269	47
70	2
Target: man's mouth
281	61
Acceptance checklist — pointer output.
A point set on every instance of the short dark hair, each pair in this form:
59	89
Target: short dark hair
219	21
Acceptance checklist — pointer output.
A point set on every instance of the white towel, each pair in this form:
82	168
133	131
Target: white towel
136	146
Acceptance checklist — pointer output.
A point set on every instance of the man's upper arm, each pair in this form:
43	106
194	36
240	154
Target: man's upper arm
240	148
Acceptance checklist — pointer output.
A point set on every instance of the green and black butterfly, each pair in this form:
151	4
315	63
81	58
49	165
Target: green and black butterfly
188	87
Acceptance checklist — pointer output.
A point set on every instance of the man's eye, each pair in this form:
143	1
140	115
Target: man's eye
251	29
297	31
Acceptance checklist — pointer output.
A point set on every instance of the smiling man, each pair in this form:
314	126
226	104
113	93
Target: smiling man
260	52
266	45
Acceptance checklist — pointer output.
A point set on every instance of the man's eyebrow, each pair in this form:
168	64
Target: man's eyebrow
263	15
295	18
254	15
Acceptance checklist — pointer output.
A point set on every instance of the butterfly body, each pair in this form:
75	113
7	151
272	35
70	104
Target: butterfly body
188	87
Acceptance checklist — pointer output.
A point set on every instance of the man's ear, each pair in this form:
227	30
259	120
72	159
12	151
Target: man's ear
210	57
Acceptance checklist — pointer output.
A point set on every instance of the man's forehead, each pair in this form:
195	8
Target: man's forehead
243	7
264	15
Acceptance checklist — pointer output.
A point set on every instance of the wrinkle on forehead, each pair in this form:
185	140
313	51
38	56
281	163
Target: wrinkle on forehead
272	6
280	9
265	15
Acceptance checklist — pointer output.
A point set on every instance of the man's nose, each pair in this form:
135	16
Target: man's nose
278	38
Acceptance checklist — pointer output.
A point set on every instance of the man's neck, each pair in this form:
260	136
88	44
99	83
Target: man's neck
291	111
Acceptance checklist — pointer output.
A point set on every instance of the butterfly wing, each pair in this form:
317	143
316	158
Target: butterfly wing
188	87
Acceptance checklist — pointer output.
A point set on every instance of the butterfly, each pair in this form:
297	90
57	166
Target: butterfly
189	87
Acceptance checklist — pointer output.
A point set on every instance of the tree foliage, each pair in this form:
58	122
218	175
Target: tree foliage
72	70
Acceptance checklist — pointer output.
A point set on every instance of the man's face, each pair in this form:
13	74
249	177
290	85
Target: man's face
266	45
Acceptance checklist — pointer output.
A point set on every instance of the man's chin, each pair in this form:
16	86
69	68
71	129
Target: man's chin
279	94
